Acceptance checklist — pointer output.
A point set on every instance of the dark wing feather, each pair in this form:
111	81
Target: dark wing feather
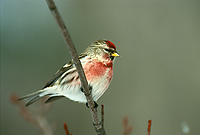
58	75
61	71
82	55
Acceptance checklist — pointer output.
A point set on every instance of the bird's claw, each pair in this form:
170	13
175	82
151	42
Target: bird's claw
95	105
90	88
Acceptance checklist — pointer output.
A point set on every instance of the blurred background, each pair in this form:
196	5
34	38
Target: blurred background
157	76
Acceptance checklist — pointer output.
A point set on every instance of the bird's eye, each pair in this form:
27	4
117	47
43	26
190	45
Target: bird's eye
107	50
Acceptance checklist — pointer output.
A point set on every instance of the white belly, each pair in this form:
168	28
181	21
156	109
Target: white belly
74	92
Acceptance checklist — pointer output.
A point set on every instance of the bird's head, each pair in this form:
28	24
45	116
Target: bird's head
102	49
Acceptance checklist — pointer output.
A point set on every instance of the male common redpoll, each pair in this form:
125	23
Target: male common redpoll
97	61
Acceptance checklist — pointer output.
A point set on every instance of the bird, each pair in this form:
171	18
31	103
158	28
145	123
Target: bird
97	62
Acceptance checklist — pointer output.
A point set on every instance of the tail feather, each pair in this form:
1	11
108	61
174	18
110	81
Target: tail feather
50	91
53	98
31	95
32	100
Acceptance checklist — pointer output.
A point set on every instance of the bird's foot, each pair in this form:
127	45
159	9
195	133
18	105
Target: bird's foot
90	88
82	89
95	105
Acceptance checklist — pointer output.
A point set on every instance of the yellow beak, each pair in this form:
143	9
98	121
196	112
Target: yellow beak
115	54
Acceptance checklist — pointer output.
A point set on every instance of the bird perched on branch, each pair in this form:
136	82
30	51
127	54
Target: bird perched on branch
97	61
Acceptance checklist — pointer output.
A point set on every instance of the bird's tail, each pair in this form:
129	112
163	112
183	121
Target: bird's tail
31	98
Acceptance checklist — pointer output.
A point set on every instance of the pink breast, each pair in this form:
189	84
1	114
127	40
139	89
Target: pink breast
98	69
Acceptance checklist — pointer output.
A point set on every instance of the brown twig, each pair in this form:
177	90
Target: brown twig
99	129
66	129
127	129
24	112
102	115
37	118
149	127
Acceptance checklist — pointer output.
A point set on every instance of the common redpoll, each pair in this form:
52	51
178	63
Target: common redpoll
97	61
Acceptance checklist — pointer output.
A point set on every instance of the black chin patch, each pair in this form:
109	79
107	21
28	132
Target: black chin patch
112	58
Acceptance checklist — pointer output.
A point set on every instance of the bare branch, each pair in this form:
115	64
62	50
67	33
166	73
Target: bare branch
102	115
99	129
149	127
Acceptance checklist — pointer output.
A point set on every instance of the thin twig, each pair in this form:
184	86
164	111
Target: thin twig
66	129
37	118
102	115
99	129
149	127
127	129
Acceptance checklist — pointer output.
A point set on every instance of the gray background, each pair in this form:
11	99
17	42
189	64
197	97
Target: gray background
157	76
